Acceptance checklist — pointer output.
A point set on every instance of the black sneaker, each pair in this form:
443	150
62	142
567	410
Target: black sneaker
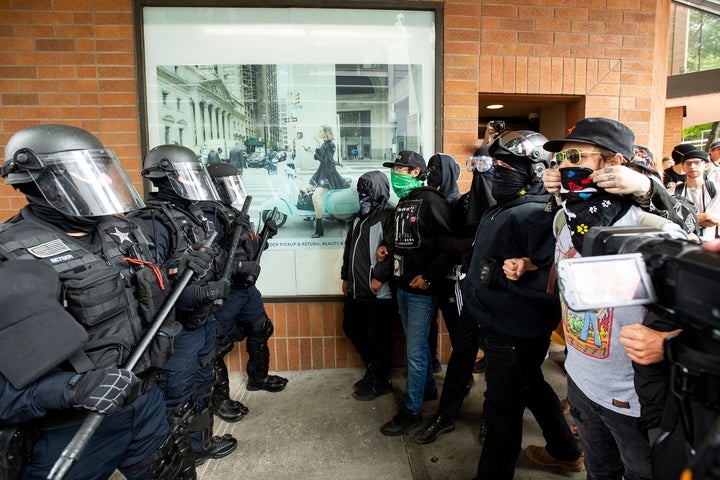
365	392
401	423
436	366
365	380
438	424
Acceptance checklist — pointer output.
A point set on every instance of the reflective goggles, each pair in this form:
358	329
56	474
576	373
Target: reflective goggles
573	156
480	164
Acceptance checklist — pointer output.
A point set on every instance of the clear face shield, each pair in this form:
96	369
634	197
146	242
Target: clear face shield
83	183
231	190
191	181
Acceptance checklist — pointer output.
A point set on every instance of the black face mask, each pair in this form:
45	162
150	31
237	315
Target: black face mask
587	205
434	177
508	184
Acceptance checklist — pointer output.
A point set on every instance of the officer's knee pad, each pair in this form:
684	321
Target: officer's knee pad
168	462
262	328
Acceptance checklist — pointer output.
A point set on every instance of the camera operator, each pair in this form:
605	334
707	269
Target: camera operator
601	391
669	359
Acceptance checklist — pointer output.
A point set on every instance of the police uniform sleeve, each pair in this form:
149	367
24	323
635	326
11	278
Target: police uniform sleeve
50	392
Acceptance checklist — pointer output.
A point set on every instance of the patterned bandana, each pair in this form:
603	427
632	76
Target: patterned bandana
366	202
586	205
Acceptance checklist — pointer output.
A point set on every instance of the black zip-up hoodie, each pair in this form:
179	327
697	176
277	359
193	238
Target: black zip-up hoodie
422	219
360	264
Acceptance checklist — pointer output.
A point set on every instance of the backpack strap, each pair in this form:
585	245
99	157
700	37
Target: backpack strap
559	222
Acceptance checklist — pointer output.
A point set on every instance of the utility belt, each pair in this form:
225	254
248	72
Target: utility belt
16	446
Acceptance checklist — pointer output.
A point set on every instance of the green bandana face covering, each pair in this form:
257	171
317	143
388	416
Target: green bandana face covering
403	184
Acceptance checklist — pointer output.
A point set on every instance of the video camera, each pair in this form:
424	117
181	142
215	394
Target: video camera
680	282
642	265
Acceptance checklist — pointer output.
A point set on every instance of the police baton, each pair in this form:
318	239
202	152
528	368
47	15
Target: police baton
74	449
263	240
237	233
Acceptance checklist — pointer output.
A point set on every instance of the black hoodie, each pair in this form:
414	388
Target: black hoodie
363	239
422	220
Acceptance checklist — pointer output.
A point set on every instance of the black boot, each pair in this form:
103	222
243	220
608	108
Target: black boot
319	229
258	366
222	405
211	446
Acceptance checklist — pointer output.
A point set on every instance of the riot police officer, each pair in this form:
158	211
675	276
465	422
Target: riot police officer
56	367
177	224
243	313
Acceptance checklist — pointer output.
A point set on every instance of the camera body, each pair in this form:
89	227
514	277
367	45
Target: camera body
685	277
498	126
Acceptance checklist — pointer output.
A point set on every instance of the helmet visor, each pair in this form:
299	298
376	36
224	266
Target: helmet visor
519	144
85	183
191	181
231	190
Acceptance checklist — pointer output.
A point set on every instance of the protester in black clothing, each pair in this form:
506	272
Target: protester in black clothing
465	334
326	176
422	218
369	309
505	293
443	174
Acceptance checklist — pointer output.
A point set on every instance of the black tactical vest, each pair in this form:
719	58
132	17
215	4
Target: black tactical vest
114	293
187	226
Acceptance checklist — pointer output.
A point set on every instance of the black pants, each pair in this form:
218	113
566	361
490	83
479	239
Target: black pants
459	369
369	326
514	382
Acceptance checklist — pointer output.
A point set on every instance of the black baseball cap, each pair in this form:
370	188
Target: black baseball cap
603	132
696	154
680	150
715	144
408	158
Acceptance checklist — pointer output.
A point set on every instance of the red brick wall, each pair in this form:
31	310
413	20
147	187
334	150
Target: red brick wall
72	61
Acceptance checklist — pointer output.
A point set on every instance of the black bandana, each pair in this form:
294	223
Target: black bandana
586	205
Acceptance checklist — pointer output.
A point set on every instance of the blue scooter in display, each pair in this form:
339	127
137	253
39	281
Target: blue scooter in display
339	205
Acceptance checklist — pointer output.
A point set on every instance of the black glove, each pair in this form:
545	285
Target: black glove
272	227
198	259
213	291
247	269
243	221
106	390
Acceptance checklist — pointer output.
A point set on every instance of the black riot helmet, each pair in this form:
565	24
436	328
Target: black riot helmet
71	169
228	183
176	169
522	145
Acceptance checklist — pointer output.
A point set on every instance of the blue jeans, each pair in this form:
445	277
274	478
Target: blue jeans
613	443
416	313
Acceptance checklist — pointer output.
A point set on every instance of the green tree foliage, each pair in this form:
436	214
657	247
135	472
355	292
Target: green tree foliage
703	42
695	132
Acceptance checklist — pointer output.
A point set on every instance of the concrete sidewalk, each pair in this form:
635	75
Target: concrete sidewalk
315	430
